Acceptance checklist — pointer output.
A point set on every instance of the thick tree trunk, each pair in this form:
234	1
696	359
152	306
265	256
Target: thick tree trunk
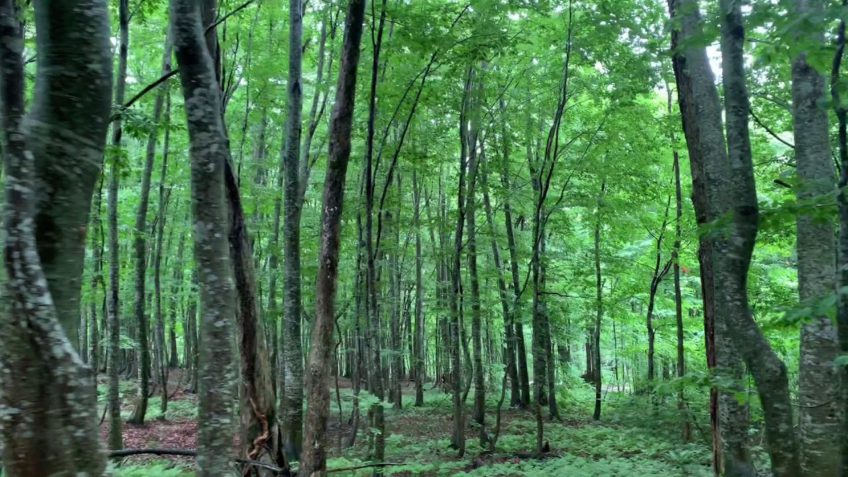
140	249
818	392
314	458
54	430
209	156
259	429
731	189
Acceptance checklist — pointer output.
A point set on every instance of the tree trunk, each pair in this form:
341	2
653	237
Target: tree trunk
375	413
113	307
842	200
140	250
599	308
701	113
314	458
479	412
419	343
509	327
818	392
678	297
520	351
209	156
54	430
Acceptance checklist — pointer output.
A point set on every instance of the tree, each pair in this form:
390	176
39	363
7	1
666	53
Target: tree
209	156
290	163
818	409
113	300
43	377
314	458
140	250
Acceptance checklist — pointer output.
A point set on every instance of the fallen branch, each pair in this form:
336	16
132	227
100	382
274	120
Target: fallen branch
116	454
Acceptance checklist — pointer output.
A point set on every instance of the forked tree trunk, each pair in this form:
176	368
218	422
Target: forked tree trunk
314	458
54	430
731	190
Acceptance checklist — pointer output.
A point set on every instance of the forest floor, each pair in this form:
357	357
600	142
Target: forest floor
633	438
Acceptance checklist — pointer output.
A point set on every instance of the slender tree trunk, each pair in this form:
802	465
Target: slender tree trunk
314	458
209	156
678	297
375	413
842	266
479	412
660	271
521	352
599	308
96	278
509	328
140	250
818	379
292	355
113	307
419	343
161	359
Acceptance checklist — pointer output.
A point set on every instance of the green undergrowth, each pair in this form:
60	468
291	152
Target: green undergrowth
633	438
638	435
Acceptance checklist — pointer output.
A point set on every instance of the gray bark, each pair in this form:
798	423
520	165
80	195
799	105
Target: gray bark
209	155
112	302
730	189
819	411
47	390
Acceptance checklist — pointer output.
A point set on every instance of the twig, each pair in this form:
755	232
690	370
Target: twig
173	72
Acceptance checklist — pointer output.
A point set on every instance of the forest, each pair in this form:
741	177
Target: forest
424	238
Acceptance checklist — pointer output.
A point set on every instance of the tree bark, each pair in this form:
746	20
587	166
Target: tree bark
599	308
731	190
209	156
842	201
678	297
479	412
113	305
292	401
52	166
419	343
818	392
314	458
